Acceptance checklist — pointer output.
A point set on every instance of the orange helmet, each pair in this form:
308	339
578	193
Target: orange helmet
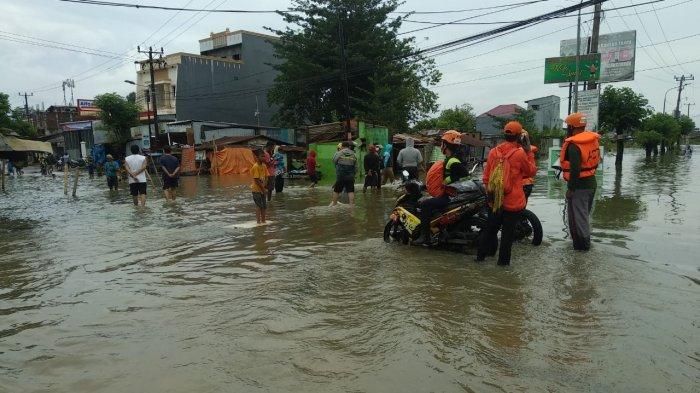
513	128
452	137
576	120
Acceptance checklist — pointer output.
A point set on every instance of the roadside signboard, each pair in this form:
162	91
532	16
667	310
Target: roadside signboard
588	101
87	107
563	69
617	52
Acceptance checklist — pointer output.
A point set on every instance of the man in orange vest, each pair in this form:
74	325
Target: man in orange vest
506	217
579	160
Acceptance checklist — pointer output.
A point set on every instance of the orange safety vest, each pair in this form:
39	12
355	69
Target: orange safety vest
531	180
587	142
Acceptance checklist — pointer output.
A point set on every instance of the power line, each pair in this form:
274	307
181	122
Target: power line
113	66
185	9
471	17
514	21
541	67
47	45
658	20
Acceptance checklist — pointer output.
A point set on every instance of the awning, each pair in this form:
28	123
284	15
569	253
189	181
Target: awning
11	143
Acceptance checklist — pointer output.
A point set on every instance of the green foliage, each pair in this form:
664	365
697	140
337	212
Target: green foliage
665	125
648	137
13	119
118	115
131	97
387	84
459	118
622	110
687	124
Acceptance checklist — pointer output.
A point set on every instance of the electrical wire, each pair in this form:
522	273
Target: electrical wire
185	9
658	20
113	65
469	18
558	17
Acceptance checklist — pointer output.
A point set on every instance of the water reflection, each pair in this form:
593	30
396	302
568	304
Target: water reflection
617	211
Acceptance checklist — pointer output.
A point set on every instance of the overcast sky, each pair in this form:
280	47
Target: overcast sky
117	31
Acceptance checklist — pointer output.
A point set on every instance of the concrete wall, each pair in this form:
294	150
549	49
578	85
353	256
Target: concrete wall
226	91
546	112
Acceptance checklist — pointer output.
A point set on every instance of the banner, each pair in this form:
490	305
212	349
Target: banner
563	69
588	101
617	54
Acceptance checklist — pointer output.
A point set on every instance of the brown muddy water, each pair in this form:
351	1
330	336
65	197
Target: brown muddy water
99	296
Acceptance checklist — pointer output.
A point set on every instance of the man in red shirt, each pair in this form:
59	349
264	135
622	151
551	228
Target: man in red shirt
520	164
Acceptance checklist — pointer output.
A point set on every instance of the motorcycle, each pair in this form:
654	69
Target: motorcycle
457	227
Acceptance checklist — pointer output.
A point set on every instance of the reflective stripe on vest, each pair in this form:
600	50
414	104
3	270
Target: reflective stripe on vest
587	143
447	171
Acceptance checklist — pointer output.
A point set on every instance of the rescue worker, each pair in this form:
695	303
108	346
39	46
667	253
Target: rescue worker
579	160
453	169
520	165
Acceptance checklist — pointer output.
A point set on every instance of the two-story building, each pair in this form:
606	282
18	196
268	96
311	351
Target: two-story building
227	82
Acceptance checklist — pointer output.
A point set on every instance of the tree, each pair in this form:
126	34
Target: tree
665	125
459	118
387	82
650	139
131	97
13	119
687	125
622	110
118	115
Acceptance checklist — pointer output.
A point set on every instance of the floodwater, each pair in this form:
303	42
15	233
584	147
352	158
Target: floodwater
99	296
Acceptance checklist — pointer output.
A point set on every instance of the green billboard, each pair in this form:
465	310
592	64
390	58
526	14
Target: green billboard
563	69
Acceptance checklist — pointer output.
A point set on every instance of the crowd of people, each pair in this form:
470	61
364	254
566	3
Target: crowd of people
508	177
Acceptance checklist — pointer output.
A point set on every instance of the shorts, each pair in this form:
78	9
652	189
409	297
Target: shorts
137	189
346	184
313	177
169	182
260	201
112	181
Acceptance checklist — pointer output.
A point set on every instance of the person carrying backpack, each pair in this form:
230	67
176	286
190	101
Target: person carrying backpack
507	165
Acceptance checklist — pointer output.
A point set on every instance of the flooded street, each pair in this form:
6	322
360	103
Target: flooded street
97	295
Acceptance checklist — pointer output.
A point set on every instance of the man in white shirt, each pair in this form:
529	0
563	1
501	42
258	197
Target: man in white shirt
135	165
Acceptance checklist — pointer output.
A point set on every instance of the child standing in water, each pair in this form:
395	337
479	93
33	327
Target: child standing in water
259	173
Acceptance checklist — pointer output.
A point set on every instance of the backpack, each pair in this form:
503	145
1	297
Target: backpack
434	179
500	183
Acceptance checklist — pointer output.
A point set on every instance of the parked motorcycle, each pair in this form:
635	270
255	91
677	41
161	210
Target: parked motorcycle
457	227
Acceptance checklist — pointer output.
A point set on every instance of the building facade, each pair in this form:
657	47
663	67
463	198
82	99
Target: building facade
546	112
227	82
488	126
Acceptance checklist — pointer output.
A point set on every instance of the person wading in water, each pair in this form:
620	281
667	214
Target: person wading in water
579	160
508	164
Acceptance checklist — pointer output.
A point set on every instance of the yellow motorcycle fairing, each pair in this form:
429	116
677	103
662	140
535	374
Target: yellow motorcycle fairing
408	219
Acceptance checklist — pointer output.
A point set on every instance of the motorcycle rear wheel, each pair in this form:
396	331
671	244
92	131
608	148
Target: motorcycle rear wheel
531	219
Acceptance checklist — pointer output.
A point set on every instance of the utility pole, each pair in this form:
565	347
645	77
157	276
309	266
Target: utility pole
689	104
595	32
578	60
344	72
681	80
26	103
153	83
